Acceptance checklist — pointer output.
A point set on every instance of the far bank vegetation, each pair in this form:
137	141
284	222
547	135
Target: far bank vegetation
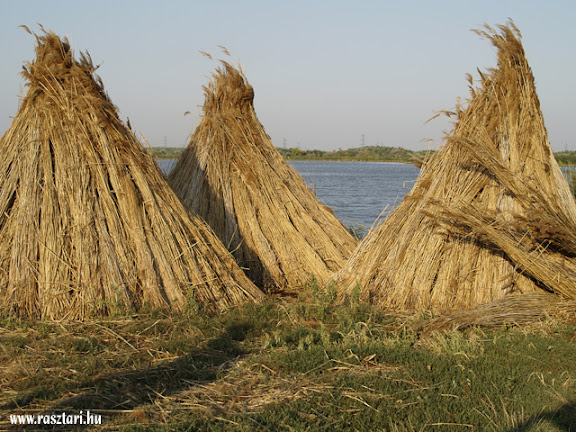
365	153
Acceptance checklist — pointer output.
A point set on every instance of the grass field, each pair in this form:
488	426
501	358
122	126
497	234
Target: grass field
295	365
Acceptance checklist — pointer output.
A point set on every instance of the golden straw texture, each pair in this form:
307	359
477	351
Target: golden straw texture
511	310
491	213
232	175
87	221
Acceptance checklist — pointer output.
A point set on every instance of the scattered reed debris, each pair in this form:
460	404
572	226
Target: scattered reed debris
490	215
512	310
232	175
246	388
87	221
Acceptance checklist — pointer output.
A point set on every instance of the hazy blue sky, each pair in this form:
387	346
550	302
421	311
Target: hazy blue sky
324	72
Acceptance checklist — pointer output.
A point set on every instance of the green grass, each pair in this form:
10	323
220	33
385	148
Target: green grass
300	364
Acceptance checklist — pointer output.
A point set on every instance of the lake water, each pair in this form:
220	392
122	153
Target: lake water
358	192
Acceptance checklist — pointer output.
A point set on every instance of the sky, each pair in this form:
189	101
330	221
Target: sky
326	74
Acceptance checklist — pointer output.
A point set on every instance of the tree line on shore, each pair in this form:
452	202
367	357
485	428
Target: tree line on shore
365	153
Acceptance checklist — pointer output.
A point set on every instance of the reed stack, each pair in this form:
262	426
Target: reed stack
232	176
87	221
491	214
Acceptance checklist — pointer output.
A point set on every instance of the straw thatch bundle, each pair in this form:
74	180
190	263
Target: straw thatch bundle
87	220
232	175
490	214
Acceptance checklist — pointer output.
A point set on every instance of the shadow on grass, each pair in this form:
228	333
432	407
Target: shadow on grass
563	418
121	392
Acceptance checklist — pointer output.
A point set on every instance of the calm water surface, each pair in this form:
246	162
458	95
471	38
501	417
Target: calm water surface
358	192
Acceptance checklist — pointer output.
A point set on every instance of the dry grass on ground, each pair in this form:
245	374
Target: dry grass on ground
305	364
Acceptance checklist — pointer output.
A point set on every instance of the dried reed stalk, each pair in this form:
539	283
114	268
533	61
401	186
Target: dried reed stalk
232	175
87	220
244	389
512	310
491	213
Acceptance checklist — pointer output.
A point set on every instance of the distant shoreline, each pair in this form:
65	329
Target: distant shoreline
358	154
